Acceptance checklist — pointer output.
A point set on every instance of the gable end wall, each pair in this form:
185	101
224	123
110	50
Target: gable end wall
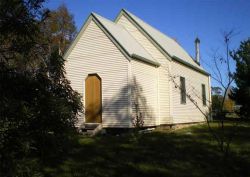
94	52
164	116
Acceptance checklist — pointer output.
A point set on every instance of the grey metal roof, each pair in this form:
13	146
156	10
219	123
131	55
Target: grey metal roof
124	38
169	45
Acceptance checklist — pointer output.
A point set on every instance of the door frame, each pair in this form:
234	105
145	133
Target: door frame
93	74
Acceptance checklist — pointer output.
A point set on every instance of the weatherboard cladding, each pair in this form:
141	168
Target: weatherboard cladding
144	92
95	53
108	49
164	94
184	113
176	112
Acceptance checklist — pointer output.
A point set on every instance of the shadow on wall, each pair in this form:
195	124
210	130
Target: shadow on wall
115	111
140	104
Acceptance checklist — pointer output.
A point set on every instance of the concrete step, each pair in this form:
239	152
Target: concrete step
87	132
91	129
90	126
97	130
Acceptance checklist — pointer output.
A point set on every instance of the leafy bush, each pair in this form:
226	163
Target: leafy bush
38	107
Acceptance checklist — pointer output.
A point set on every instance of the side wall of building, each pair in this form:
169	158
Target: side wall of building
188	112
94	52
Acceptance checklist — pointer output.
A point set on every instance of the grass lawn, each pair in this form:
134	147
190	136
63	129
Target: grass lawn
185	152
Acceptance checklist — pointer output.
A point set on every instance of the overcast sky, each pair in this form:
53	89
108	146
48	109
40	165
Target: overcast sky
183	20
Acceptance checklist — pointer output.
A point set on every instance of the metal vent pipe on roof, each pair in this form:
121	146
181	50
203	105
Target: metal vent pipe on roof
197	50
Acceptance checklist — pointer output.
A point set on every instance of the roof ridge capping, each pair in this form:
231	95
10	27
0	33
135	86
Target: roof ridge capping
167	44
129	13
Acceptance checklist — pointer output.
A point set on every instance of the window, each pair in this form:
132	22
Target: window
183	90
203	94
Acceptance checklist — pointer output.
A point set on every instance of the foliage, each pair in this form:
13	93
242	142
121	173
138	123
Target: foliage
20	39
242	78
137	120
216	103
216	90
60	28
228	105
38	107
216	99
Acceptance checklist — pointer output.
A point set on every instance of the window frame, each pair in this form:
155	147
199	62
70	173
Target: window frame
203	95
183	90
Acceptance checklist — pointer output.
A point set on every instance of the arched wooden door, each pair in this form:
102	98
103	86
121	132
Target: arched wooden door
93	99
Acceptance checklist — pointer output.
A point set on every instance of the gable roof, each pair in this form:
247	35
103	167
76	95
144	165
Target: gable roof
121	37
124	38
167	44
129	45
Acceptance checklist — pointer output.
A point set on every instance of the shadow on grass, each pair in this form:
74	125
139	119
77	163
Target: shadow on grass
186	152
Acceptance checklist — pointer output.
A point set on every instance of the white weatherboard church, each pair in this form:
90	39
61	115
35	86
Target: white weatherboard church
127	67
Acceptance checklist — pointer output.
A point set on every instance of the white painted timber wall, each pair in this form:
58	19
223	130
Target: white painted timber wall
186	113
164	116
96	53
144	92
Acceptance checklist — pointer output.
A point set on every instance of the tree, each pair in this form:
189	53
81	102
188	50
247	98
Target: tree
216	90
229	102
229	105
216	99
241	94
60	28
38	107
20	38
223	75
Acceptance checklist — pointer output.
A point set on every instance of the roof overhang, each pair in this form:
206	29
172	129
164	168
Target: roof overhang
189	65
137	57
